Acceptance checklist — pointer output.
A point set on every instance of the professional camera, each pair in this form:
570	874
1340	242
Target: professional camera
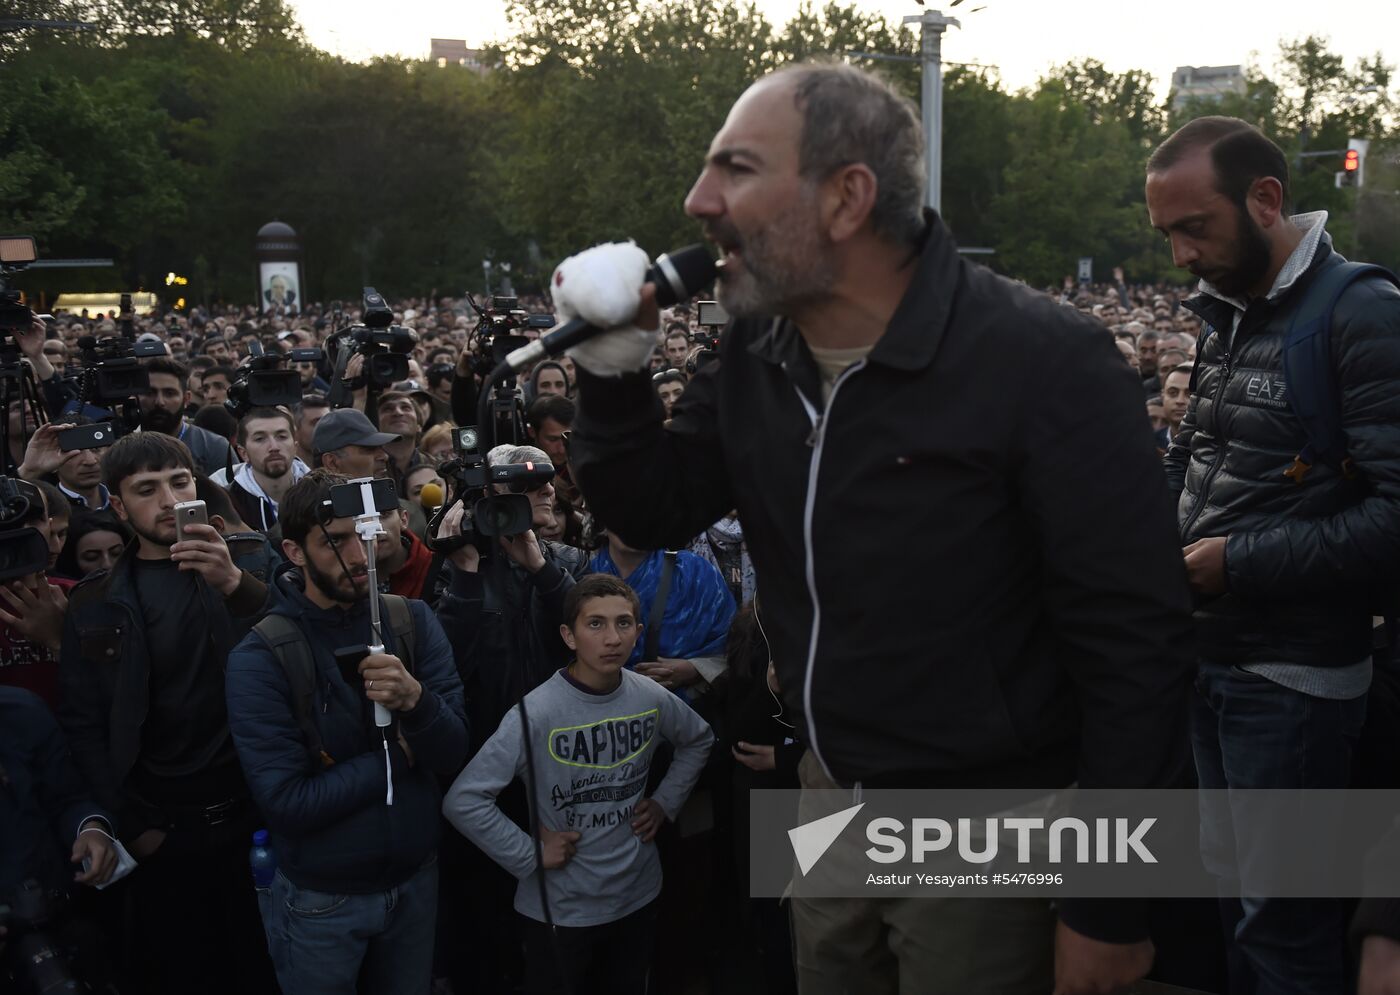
498	331
266	382
711	318
16	252
23	549
496	336
384	345
112	376
487	514
14	316
35	960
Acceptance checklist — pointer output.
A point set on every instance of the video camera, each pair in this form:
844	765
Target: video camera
711	318
384	345
16	252
266	382
495	338
496	333
112	375
38	962
487	514
23	548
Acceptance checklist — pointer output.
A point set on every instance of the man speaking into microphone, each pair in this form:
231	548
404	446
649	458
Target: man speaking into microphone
967	580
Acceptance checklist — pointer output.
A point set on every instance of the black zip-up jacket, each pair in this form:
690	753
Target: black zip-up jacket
503	624
105	669
967	562
1304	561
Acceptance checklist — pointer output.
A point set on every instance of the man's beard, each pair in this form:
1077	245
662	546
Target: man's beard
153	538
784	264
275	471
160	420
1252	258
337	587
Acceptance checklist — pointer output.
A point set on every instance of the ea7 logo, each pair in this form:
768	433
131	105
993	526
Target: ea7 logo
1268	388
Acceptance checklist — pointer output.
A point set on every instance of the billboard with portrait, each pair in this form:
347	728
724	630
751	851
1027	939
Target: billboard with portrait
279	287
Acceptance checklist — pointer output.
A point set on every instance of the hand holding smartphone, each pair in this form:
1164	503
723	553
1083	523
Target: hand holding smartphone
86	437
189	513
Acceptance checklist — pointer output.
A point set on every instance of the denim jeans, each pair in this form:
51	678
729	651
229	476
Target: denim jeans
1249	732
375	944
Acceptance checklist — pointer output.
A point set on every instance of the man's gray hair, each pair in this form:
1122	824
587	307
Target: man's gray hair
850	115
506	454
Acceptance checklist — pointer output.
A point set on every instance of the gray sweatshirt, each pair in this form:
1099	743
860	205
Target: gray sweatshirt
592	754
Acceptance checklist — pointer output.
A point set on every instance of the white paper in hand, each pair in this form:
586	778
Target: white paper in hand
602	285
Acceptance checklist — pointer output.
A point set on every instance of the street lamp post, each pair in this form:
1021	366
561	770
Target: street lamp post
933	23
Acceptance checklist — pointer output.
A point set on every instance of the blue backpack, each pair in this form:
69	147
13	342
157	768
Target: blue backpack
1307	369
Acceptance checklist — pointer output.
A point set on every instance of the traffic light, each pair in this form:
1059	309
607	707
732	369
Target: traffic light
1353	172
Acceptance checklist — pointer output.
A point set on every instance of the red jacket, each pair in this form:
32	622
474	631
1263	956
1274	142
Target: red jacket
29	665
408	580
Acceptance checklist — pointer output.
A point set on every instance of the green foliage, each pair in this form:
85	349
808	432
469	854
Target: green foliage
169	135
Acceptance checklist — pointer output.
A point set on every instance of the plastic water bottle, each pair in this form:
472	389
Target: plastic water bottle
263	860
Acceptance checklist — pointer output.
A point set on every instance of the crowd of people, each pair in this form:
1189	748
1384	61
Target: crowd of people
199	665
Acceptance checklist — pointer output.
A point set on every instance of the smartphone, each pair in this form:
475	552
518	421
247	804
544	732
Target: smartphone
86	437
189	513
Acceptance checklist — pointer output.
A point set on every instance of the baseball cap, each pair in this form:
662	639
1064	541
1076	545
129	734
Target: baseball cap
348	427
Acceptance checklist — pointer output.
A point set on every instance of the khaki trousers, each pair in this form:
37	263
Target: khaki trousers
939	945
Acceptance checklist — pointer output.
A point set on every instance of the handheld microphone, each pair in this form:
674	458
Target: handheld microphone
431	497
678	276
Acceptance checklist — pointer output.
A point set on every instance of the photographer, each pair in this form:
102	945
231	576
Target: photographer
79	471
318	772
142	663
503	619
55	392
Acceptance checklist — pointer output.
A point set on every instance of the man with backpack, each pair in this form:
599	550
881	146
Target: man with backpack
352	806
1287	471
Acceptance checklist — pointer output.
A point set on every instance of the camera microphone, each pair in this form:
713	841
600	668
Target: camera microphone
678	276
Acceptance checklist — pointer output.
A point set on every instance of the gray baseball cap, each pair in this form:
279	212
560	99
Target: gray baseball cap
348	427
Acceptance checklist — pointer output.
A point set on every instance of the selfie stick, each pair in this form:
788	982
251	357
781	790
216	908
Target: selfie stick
369	527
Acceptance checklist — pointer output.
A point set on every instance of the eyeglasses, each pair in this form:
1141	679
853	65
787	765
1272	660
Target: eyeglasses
670	374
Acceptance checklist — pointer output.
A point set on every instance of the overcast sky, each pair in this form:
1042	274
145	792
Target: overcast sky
1021	37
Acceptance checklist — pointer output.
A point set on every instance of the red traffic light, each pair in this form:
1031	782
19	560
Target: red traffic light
1352	162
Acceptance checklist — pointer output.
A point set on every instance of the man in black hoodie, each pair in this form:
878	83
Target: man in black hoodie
353	810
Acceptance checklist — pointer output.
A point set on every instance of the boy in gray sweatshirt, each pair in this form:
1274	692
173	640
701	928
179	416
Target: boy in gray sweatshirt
593	730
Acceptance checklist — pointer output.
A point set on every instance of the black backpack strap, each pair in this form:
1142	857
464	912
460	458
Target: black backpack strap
658	608
1307	369
293	653
402	626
